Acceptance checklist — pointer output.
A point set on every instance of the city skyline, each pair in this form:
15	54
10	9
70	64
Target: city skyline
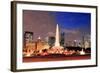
55	34
43	24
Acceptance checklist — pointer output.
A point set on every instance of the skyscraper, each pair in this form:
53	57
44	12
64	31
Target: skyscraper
51	41
62	39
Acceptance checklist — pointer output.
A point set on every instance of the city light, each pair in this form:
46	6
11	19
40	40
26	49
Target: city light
43	48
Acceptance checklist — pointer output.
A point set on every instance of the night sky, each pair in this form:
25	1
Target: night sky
73	20
43	23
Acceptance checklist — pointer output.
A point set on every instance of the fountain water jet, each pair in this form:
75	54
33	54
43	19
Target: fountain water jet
57	46
57	42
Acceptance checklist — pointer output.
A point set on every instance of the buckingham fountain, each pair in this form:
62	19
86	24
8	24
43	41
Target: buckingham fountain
57	46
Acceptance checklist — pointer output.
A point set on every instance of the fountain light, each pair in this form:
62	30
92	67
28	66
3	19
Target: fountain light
82	52
28	54
57	40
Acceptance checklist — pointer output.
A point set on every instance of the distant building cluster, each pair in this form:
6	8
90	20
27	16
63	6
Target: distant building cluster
39	46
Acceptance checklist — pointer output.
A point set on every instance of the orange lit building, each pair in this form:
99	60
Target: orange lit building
41	45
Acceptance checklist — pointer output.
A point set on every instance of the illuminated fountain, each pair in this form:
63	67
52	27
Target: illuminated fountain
29	53
57	48
82	52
